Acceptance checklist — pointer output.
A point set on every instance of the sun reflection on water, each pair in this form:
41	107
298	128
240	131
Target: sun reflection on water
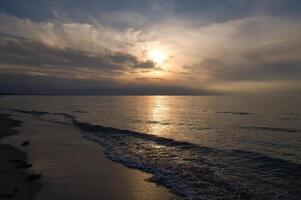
158	115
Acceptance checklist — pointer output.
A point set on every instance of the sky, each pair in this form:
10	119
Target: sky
172	47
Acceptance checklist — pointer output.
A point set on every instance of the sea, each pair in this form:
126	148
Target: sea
200	147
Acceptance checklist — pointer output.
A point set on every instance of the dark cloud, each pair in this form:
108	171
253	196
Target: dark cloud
26	52
23	84
24	58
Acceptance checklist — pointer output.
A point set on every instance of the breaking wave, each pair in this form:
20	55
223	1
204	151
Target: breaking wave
193	171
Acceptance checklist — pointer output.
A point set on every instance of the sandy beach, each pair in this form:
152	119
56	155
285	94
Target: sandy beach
76	168
14	178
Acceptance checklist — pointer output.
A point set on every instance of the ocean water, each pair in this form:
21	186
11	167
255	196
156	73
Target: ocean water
201	147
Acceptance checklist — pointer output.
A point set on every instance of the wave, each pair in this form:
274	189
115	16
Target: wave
151	122
236	113
275	129
290	113
289	118
193	171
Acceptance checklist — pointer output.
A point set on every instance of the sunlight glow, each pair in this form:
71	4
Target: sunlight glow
157	56
159	115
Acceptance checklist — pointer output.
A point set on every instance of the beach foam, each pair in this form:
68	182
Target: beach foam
190	170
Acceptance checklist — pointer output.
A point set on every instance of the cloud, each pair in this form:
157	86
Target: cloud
28	56
24	84
253	48
94	36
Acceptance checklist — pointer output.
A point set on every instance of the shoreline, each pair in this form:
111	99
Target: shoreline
76	168
14	176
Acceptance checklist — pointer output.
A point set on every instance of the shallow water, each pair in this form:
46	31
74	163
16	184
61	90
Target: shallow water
207	147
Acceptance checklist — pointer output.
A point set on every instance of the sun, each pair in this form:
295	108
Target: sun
157	56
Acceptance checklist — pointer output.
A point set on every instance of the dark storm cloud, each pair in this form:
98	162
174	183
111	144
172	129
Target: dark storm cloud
22	84
20	51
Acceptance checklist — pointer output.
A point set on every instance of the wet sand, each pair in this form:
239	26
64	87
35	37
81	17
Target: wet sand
14	175
76	168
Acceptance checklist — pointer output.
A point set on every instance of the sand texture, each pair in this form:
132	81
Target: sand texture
15	180
76	168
